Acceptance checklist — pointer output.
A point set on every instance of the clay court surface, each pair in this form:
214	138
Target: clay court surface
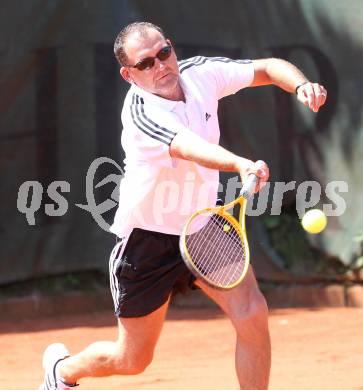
312	349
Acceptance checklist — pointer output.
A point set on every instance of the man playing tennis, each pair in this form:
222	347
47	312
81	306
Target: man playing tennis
170	137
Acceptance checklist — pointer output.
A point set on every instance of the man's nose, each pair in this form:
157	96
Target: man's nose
159	63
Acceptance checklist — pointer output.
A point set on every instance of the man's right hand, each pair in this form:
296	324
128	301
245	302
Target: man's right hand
260	169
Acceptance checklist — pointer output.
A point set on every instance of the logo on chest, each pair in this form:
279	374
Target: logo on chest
207	116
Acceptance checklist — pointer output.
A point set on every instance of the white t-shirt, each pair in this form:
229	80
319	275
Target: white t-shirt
158	192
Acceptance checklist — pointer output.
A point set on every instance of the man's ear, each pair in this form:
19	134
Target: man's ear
125	74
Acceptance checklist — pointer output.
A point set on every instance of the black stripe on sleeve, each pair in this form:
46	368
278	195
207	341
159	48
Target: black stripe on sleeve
163	129
193	62
203	60
146	125
190	60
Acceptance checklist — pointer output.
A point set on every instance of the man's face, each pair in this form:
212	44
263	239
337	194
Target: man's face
163	78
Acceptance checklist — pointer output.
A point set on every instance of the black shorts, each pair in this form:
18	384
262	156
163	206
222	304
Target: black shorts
146	271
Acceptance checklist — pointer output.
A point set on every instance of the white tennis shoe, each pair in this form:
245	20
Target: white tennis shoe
52	356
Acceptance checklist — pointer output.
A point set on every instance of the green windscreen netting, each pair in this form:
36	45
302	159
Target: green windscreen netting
60	101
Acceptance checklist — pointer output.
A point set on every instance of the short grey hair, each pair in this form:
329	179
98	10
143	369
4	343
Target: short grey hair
139	27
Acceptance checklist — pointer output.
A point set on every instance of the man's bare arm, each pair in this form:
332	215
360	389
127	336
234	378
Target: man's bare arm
283	74
187	145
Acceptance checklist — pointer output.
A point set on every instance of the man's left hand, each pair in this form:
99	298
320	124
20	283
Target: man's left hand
312	95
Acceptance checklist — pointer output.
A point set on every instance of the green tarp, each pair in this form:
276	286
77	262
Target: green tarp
60	100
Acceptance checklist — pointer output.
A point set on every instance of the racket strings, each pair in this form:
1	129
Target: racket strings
227	244
216	249
221	262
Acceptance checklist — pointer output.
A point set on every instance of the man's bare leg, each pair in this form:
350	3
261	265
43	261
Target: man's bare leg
247	310
129	355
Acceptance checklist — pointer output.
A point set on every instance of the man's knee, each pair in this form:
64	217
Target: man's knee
133	362
253	314
138	364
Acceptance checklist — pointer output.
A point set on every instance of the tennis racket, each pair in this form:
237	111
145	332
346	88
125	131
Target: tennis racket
213	243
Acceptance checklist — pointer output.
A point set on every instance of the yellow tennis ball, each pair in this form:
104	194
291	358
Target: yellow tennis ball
314	221
226	228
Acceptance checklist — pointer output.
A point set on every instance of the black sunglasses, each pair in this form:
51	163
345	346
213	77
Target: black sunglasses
149	62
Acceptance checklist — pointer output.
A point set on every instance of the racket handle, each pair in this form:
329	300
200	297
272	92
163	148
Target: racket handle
248	188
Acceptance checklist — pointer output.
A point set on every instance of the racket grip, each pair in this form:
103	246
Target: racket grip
248	188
